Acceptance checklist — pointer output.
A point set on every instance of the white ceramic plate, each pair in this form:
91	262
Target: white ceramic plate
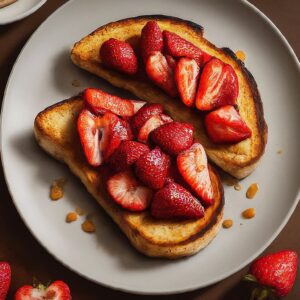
19	10
42	76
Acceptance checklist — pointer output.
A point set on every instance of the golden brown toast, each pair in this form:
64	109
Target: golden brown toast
239	159
56	132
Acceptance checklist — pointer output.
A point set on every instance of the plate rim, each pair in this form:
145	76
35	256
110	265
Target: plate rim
135	290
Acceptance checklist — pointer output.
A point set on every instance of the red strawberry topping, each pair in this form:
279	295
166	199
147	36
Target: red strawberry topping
152	168
187	77
192	165
100	136
5	277
177	46
225	125
275	273
218	86
145	113
151	39
174	201
161	73
151	124
58	290
128	192
101	102
173	137
119	55
127	154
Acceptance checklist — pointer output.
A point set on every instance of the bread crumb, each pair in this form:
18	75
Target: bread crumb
88	226
227	223
237	187
80	211
76	83
252	190
71	217
241	55
56	189
249	213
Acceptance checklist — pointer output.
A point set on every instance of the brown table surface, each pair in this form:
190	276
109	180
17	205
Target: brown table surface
29	259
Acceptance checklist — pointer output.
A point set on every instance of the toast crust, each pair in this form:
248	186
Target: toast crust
55	131
239	159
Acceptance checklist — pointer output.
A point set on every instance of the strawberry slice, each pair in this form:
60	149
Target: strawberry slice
225	125
161	73
101	135
5	278
187	77
119	56
192	165
151	39
174	201
150	125
128	192
173	137
58	290
176	46
127	154
101	102
171	62
218	86
152	168
145	113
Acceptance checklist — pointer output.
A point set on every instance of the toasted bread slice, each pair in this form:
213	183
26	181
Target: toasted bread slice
239	159
55	131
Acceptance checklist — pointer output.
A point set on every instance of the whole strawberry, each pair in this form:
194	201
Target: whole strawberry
275	273
5	274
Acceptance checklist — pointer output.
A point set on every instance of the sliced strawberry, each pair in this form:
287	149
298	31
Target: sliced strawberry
176	46
187	77
145	113
218	86
173	137
100	135
128	192
127	154
174	201
225	125
192	165
171	62
150	125
101	102
152	168
5	278
151	39
159	71
58	290
119	55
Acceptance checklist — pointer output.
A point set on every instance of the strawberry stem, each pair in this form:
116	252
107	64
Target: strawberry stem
250	278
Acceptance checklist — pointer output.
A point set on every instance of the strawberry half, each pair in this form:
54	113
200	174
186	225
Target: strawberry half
145	113
161	73
58	290
225	125
127	154
119	55
174	201
187	77
152	168
151	39
128	192
192	165
218	86
274	273
173	137
5	277
176	46
101	135
101	102
151	124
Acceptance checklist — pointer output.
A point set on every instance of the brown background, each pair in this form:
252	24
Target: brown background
29	259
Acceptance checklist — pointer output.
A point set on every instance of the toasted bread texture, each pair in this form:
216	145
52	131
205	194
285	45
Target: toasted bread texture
239	159
55	131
